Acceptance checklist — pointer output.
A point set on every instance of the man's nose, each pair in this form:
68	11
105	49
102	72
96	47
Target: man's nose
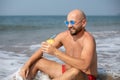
70	25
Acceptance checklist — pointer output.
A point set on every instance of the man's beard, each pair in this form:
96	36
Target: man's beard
75	31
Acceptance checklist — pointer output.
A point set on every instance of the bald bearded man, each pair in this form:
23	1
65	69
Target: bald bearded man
80	56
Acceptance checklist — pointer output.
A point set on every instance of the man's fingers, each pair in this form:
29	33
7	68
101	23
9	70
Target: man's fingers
22	73
27	73
43	43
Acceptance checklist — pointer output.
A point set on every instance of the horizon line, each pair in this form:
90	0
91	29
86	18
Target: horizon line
50	15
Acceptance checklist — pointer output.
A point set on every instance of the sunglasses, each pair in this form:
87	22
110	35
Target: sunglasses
69	22
72	22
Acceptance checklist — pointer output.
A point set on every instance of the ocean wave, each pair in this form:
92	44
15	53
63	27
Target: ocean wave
10	61
34	47
105	34
23	27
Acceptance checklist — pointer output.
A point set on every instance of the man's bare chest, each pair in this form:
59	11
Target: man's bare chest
73	48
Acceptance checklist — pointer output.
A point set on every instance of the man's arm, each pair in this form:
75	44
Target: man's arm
26	67
37	55
84	61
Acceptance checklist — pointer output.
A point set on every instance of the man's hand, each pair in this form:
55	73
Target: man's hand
24	72
48	48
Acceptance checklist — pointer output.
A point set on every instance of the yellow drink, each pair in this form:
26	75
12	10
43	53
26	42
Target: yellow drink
50	41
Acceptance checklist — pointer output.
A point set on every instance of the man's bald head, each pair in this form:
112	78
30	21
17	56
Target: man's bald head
77	14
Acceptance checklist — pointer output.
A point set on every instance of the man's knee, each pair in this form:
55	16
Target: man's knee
75	71
79	75
40	63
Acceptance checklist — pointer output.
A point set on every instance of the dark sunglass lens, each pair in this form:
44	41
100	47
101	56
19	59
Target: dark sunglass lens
72	22
66	23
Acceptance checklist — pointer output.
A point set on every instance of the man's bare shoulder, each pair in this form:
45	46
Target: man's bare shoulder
59	39
62	35
89	38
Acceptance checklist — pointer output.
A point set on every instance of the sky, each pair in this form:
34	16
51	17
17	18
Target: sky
59	7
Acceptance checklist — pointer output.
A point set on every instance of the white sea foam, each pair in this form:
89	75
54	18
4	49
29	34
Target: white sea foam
14	76
34	47
17	76
109	52
10	66
10	62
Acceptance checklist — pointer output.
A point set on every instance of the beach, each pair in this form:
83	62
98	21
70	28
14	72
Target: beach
21	36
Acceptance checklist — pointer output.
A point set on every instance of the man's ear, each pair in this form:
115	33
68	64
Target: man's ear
84	22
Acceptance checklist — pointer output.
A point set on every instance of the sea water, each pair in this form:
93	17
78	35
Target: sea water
20	37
